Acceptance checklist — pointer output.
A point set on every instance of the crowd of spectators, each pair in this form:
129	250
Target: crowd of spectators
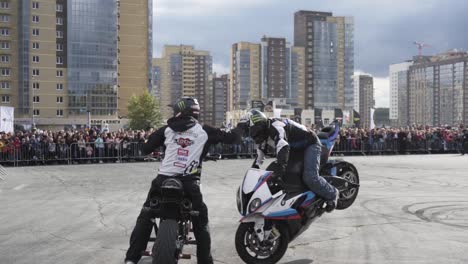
95	145
403	140
77	145
414	139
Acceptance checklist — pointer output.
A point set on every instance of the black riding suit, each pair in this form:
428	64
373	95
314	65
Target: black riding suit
464	148
186	143
285	134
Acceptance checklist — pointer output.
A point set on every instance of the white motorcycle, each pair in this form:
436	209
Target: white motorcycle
274	213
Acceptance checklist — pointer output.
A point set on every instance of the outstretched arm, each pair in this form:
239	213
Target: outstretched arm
216	135
155	141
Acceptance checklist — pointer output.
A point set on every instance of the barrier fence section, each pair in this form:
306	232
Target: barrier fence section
99	152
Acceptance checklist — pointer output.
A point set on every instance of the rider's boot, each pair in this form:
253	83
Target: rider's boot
331	204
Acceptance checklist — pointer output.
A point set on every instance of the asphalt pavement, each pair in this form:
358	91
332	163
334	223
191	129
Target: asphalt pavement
410	209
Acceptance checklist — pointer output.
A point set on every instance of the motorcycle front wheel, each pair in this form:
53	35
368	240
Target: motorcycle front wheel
252	251
164	248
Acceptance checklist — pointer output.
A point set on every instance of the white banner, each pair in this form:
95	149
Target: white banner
372	124
346	117
7	119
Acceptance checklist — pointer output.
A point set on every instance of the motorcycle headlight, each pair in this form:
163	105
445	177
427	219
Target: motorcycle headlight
255	204
238	200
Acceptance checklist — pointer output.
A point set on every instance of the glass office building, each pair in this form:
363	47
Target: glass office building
92	56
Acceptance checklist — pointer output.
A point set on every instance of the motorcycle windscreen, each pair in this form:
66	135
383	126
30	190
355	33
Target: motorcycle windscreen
251	179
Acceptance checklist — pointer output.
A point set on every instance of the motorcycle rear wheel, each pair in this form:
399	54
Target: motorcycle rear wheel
164	248
245	233
347	198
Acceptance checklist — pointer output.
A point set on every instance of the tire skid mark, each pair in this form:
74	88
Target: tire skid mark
434	217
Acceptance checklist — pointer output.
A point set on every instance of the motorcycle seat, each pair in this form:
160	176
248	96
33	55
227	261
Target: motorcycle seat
294	190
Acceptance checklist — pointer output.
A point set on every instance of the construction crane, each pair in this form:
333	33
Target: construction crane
421	46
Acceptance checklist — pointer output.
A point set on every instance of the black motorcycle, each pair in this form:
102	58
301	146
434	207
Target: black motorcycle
174	209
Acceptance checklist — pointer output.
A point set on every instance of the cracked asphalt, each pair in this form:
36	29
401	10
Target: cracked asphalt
410	209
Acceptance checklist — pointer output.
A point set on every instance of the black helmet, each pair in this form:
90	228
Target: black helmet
186	106
258	126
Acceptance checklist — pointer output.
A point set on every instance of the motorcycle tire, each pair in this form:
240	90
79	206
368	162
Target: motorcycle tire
241	246
347	199
164	247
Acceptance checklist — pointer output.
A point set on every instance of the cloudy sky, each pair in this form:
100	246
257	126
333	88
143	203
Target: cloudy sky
384	29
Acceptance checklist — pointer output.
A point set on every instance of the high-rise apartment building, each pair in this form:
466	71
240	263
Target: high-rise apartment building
399	93
135	49
438	89
220	98
71	57
185	71
275	61
282	71
364	97
329	51
9	57
245	74
298	77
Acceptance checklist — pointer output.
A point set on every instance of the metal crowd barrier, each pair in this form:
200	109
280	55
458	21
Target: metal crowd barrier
52	153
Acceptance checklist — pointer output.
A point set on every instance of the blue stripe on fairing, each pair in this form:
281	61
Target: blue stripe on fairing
260	181
286	212
310	196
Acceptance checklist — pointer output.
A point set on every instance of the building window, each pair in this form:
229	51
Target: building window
5	18
35	45
5	99
5	45
35	32
5	58
36	99
4	5
59	47
36	59
36	112
59	99
5	85
59	20
35	19
59	112
60	73
59	86
6	72
59	34
5	32
36	86
35	72
59	8
59	60
35	5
